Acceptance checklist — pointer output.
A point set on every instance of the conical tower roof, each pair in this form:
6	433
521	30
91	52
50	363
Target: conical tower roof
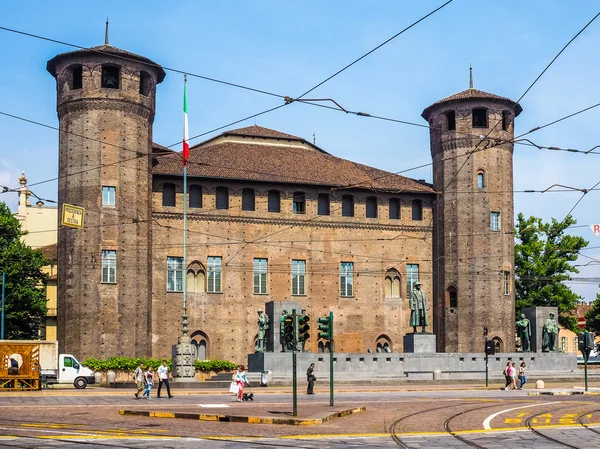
469	95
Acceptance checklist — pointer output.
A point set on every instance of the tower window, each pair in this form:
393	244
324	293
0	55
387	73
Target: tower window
417	210
195	196
505	120
274	201
222	198
77	74
452	297
506	286
299	205
371	207
495	221
480	180
323	204
347	206
108	196
174	274
168	198
451	120
145	80
110	76
248	199
480	118
394	209
109	267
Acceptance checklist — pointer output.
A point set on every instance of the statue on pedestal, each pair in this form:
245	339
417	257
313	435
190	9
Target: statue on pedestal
263	326
524	333
418	308
549	334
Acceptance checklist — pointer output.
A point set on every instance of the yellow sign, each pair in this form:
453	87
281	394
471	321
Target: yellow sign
72	216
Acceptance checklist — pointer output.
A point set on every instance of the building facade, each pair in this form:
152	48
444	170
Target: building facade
271	217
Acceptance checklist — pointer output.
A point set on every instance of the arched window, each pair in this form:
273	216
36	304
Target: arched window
168	198
394	209
196	277
111	77
452	297
417	209
248	199
451	121
222	201
384	344
195	196
77	76
274	201
323	204
324	346
347	206
299	204
392	283
200	345
480	179
480	118
505	120
371	207
498	344
145	83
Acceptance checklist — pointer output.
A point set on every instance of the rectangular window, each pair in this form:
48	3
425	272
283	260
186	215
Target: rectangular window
564	345
274	201
495	221
298	277
195	193
260	276
214	275
108	196
323	204
299	205
168	198
417	210
394	209
480	118
451	120
174	274
222	201
412	276
507	282
248	199
346	279
575	343
347	206
109	267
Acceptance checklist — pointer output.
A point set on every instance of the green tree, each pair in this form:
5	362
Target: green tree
592	317
25	300
542	263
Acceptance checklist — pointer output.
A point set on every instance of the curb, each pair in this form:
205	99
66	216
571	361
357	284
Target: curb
560	393
245	419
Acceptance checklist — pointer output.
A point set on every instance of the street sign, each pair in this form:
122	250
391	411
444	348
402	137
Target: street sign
595	229
72	216
581	322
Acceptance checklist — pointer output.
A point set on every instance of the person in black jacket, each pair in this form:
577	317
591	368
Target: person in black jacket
310	376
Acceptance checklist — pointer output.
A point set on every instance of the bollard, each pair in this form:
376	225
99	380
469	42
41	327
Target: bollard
98	377
437	374
110	377
540	385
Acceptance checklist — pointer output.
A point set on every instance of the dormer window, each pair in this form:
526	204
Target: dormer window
145	81
111	76
77	74
480	118
451	120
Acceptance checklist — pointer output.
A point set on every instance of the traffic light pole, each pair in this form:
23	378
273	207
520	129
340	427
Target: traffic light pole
294	374
331	361
585	360
486	364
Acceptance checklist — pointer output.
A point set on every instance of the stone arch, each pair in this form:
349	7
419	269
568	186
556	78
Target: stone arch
324	346
393	284
196	277
498	343
201	345
383	343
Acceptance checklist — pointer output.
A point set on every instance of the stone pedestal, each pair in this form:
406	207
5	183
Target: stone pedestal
273	310
183	360
419	343
537	317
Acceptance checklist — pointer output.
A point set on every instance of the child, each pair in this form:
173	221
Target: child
147	383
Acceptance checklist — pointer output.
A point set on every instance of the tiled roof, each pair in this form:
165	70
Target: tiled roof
105	49
282	164
49	251
472	94
259	131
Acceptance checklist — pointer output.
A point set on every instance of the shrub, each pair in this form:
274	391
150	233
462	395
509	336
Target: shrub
131	363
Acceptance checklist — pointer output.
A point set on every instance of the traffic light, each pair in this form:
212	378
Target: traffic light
490	347
326	327
289	336
581	341
303	328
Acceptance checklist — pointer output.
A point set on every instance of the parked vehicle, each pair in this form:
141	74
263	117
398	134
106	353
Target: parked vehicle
39	363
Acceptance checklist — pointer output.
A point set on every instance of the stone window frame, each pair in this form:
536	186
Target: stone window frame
495	221
214	275
196	277
109	196
174	274
347	289
393	284
298	277
109	266
260	275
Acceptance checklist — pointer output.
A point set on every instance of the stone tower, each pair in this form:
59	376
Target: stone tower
106	103
473	242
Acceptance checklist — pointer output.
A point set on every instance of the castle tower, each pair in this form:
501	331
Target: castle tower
105	104
473	242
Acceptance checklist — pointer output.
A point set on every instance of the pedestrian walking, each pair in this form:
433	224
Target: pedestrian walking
148	381
522	375
241	380
311	378
138	376
163	378
506	375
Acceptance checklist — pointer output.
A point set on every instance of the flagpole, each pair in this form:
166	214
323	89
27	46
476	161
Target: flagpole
184	322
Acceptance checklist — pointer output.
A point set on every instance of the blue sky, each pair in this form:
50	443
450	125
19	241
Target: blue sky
287	47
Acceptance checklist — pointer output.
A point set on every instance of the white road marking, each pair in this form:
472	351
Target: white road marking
486	421
214	405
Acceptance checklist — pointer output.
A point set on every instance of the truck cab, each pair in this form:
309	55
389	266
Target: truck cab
69	371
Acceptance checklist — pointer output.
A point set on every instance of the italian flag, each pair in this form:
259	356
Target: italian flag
186	145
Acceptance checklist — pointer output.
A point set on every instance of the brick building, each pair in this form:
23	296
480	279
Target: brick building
271	217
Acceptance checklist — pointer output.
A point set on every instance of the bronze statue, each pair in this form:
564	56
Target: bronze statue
524	333
281	330
549	334
263	325
418	308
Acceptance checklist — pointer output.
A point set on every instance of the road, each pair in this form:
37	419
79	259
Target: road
453	418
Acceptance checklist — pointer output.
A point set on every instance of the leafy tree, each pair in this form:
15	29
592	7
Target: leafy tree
25	299
542	263
592	317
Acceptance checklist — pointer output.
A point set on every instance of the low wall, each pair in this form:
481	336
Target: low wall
366	366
